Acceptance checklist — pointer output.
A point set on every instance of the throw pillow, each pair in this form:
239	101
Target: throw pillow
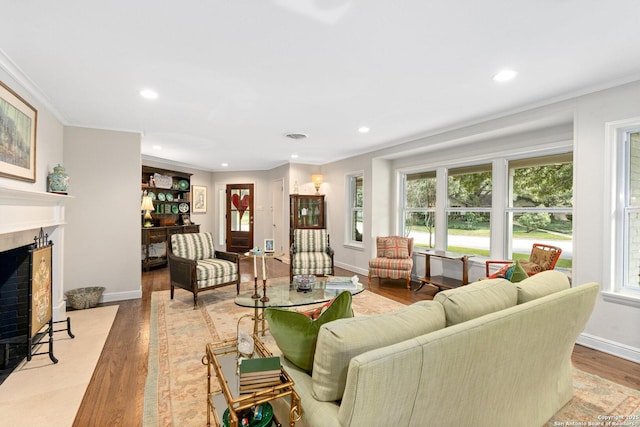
504	273
519	273
296	334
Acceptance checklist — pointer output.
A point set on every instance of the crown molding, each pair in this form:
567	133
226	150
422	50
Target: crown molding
23	80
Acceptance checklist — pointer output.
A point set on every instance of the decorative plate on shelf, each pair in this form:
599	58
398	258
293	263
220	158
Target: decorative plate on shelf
183	184
161	197
169	197
183	207
152	195
162	181
174	209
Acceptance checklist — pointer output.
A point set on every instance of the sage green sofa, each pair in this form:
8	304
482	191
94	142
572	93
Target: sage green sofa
492	353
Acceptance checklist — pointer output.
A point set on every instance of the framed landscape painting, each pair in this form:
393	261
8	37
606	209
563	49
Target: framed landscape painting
17	136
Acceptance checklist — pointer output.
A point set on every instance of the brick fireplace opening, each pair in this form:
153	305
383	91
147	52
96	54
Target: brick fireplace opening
14	308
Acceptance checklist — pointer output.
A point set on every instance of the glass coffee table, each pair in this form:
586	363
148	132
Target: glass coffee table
283	294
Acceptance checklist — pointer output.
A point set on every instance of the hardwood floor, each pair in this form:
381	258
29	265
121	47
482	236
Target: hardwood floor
115	394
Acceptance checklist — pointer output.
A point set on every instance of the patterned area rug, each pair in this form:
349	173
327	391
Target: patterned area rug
175	392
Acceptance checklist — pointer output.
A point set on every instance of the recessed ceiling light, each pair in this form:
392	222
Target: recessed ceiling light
296	135
363	129
294	156
149	94
505	75
224	165
157	147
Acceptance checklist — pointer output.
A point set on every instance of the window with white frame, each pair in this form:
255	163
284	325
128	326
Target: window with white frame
420	208
469	199
355	202
630	221
540	206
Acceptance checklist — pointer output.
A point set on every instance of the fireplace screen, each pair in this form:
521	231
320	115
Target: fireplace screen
41	311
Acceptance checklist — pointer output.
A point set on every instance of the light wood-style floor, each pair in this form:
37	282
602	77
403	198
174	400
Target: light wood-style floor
115	394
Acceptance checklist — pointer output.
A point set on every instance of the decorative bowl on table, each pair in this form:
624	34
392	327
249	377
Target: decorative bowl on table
304	282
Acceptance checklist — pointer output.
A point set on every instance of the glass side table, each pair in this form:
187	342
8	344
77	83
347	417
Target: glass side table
221	359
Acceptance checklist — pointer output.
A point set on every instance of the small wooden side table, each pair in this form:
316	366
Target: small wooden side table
445	282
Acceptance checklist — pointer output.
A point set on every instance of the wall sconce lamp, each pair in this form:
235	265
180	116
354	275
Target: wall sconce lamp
147	206
317	180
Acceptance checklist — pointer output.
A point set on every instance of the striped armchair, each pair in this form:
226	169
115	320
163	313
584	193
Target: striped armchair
310	253
393	259
195	265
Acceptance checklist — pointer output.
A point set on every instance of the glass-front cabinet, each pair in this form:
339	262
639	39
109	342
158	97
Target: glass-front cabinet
306	211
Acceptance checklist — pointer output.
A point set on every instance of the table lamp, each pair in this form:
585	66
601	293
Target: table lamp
147	206
317	180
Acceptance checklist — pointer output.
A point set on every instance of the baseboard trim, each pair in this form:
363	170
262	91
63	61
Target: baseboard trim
610	347
121	296
353	268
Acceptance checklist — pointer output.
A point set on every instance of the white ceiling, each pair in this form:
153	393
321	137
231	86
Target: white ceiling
234	77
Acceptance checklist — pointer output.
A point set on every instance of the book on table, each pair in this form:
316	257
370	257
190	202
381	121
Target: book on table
259	373
259	365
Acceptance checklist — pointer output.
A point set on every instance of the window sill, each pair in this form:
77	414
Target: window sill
630	299
355	246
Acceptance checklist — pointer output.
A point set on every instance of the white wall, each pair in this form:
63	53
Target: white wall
103	236
613	327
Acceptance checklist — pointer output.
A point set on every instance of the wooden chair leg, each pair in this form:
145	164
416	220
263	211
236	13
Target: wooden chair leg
195	300
409	281
172	289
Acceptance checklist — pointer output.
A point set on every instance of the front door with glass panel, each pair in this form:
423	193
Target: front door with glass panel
239	217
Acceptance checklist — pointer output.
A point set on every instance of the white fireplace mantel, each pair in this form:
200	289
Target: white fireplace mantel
23	210
22	214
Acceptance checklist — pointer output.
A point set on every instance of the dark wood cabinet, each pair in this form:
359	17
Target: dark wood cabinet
305	211
170	192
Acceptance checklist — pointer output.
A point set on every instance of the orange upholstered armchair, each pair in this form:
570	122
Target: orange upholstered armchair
543	257
393	259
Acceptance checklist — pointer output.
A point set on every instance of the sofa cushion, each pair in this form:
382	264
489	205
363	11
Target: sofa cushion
195	246
340	341
541	284
477	299
295	333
